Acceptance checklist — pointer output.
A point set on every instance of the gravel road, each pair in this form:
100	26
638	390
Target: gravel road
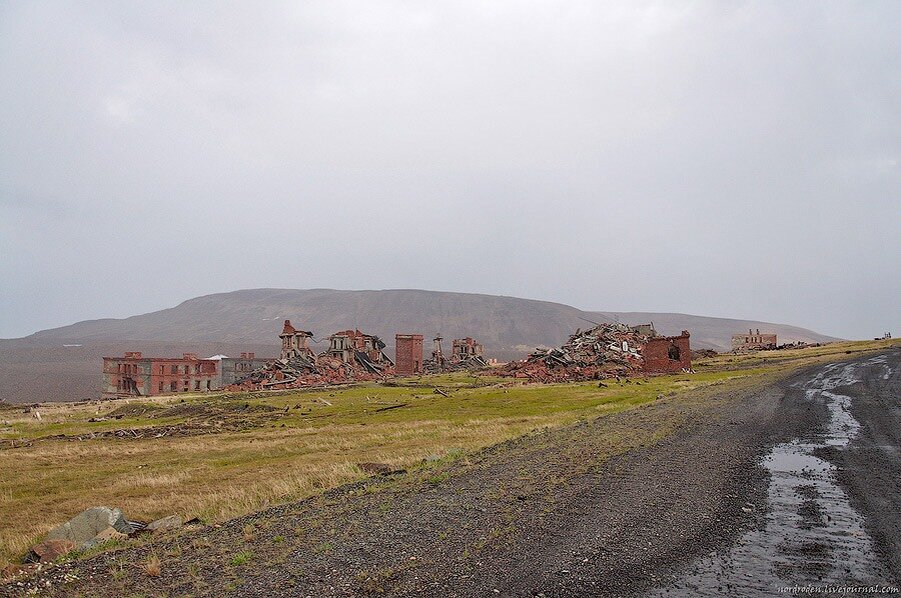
722	491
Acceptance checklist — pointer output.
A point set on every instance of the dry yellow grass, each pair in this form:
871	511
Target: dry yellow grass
217	476
152	566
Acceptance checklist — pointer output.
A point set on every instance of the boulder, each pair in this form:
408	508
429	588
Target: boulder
107	535
50	550
165	524
87	524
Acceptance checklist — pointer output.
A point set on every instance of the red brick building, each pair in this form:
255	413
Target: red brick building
408	353
136	375
465	348
667	354
346	344
295	343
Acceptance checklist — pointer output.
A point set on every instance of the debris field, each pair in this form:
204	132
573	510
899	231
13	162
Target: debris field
605	351
352	356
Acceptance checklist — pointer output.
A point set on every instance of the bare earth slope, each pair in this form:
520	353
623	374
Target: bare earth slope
613	506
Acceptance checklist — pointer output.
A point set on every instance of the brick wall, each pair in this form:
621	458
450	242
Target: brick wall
667	354
408	352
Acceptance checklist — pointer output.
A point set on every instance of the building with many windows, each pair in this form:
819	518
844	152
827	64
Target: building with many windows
136	375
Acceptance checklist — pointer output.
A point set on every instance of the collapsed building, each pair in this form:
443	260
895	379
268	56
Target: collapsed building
753	341
606	351
351	356
353	346
466	354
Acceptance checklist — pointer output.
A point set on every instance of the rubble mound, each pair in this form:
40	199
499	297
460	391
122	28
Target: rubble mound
300	372
469	364
605	351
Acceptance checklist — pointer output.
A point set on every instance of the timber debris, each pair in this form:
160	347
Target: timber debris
466	355
352	356
605	351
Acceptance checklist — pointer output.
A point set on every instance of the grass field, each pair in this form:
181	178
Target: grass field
243	453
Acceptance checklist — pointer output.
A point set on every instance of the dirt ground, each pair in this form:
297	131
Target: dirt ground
619	505
870	469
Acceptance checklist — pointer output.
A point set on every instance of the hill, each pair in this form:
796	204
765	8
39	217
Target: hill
39	367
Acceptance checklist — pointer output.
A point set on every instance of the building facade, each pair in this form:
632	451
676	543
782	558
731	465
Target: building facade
134	375
667	354
232	369
466	348
753	341
408	354
295	343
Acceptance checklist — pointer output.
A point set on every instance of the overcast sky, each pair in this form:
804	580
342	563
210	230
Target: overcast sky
725	158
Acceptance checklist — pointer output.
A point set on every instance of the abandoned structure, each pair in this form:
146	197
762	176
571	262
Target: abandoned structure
466	354
234	368
437	354
349	346
753	341
408	354
136	375
465	348
295	343
351	356
666	354
605	351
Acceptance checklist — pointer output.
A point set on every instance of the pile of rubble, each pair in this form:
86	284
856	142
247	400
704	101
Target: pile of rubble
466	355
605	351
299	372
442	364
352	356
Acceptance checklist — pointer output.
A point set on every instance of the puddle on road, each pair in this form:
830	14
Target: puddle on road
812	535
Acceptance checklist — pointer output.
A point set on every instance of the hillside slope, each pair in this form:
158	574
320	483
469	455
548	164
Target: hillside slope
256	316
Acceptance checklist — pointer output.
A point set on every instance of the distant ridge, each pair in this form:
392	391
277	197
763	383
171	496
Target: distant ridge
38	367
503	323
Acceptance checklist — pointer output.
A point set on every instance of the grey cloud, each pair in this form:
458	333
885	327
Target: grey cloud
732	159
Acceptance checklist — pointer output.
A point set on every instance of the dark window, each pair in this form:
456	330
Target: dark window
173	386
674	352
197	385
161	387
207	384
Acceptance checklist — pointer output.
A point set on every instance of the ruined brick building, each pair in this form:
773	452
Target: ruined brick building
295	343
136	375
232	369
408	354
466	348
349	346
666	354
753	341
605	351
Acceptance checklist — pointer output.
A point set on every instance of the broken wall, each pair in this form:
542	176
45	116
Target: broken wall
667	354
